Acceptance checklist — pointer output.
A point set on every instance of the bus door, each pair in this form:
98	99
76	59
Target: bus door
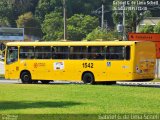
12	66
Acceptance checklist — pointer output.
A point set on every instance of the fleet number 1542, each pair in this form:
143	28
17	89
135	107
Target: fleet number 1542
87	65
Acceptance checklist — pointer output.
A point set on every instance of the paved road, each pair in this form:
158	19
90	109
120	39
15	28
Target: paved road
138	84
1	68
3	81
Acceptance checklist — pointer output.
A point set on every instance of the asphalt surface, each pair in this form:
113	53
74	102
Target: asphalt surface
138	84
3	81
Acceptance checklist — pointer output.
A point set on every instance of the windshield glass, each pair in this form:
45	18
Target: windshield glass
12	54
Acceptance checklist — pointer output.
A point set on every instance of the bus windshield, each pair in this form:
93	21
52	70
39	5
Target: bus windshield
12	54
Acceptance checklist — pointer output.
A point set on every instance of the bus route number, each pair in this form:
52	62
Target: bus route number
87	65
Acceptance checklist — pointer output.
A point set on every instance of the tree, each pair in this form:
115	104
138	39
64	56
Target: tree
101	34
52	26
11	9
157	28
23	6
5	8
147	29
4	22
79	26
30	24
85	7
45	7
5	13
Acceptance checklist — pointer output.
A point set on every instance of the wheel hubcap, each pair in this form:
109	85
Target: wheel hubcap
88	79
26	78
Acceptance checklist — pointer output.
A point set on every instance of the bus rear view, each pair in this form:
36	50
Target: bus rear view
145	60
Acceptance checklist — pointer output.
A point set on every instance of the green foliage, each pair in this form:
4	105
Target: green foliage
52	26
80	25
101	34
147	29
30	24
157	28
4	22
150	28
45	7
5	8
21	6
11	9
6	13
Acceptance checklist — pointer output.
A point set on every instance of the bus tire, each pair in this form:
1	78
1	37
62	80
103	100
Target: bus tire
26	77
88	78
45	81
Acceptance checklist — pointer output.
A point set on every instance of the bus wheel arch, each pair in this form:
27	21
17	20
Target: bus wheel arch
25	76
88	77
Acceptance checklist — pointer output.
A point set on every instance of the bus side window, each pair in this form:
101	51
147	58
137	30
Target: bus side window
60	52
78	52
54	56
46	52
96	52
115	52
127	53
43	52
110	53
26	52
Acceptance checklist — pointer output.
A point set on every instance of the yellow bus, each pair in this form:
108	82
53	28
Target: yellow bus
90	62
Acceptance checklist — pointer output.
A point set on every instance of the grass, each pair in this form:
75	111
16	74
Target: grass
77	99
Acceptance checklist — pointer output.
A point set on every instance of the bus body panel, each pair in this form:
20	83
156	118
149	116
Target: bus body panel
140	65
145	60
73	69
12	71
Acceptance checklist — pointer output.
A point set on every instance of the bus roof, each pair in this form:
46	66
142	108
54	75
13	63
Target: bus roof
75	43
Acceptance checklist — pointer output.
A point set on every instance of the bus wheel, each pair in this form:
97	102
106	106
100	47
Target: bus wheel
45	81
88	78
26	77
